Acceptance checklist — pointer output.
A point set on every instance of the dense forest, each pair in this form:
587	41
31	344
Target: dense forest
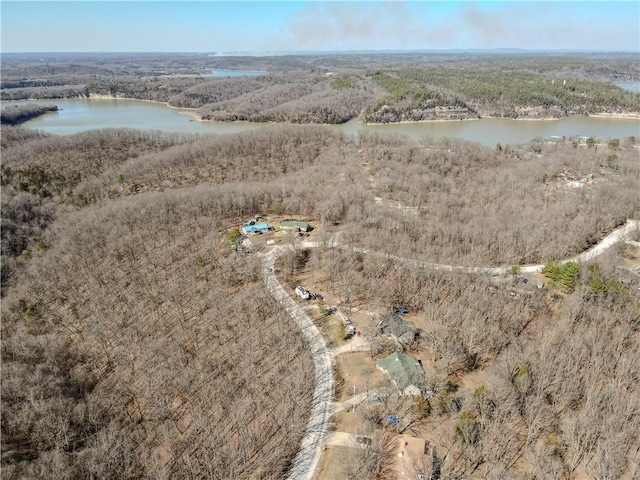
14	115
460	203
137	344
332	89
140	341
536	385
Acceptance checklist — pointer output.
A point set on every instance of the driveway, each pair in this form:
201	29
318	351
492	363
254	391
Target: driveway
313	441
314	437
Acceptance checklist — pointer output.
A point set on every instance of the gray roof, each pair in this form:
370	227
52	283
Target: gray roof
403	331
294	224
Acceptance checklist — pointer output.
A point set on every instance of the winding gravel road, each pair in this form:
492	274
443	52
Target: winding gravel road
313	441
314	437
606	243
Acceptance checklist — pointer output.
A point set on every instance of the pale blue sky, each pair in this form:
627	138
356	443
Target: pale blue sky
206	26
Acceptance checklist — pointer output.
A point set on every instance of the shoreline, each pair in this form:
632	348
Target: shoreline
530	119
628	116
193	112
409	122
624	116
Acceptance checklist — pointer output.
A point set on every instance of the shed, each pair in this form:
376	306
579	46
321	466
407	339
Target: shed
296	226
405	372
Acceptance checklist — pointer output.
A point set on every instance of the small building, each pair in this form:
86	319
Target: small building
256	228
405	372
402	331
414	458
295	226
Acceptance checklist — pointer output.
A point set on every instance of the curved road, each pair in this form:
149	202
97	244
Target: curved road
313	440
606	243
321	409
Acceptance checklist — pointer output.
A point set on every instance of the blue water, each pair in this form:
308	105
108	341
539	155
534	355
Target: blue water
77	115
631	86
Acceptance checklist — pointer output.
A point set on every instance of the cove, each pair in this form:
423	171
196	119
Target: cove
77	115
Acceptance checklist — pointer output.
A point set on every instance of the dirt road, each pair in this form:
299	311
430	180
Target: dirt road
314	437
606	243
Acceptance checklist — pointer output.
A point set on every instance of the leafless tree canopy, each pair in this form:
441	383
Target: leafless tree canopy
135	344
471	205
558	395
138	346
376	88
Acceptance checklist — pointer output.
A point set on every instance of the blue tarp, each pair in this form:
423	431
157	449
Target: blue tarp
391	419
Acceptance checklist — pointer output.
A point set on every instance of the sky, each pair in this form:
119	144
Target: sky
290	26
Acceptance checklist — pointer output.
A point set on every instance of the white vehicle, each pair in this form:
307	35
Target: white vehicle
347	323
302	293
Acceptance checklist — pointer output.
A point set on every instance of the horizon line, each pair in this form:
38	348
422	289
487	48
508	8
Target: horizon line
325	52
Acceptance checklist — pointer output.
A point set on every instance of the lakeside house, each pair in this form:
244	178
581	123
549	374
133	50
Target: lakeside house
405	372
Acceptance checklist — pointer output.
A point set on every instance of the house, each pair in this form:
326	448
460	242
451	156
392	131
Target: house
403	331
295	226
255	228
405	372
414	459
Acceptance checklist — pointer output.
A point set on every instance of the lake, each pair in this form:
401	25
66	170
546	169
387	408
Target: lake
83	114
631	86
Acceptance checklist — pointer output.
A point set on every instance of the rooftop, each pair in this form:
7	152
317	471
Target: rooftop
403	369
405	332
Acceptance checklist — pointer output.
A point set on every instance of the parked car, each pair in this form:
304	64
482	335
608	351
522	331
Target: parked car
400	310
303	292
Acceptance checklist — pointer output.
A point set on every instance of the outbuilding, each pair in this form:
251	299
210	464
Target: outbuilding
295	226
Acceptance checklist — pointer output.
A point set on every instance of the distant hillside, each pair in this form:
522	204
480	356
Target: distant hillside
334	88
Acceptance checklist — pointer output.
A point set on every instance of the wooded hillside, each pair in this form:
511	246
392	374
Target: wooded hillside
532	384
136	343
465	204
333	89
